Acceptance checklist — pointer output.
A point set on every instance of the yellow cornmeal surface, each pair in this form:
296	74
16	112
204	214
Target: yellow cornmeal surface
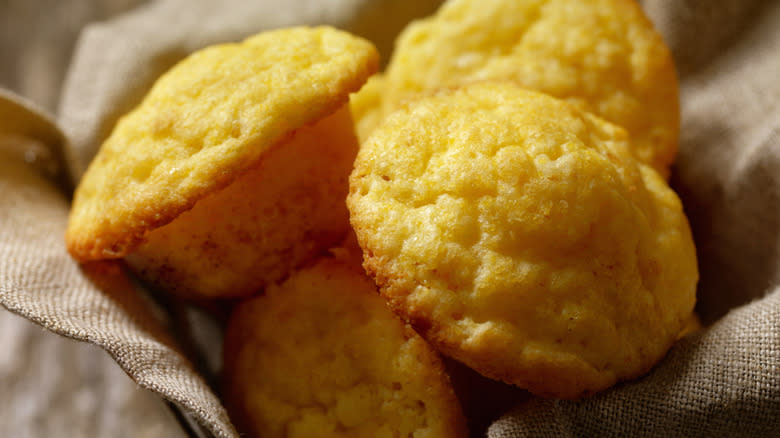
519	236
323	356
601	54
205	122
276	216
366	106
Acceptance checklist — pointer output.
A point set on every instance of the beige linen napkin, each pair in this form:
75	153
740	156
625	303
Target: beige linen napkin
97	302
722	381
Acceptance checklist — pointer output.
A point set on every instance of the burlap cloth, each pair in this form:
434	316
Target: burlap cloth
721	381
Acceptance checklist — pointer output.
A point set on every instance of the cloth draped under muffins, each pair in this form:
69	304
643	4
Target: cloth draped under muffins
520	234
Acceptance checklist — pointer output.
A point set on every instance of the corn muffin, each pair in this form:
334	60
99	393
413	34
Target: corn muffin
603	55
322	355
520	236
203	185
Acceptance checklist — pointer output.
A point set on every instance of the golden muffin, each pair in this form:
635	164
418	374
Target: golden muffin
520	236
232	171
321	355
601	54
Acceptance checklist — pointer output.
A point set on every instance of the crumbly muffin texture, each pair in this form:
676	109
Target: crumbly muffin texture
282	213
603	55
322	355
204	123
519	236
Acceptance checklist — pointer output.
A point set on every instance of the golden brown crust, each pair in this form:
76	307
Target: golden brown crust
201	127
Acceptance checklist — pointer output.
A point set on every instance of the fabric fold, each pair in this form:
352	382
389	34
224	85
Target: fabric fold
97	302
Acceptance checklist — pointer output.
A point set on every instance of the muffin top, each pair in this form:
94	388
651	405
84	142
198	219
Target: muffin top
322	355
603	55
204	123
519	235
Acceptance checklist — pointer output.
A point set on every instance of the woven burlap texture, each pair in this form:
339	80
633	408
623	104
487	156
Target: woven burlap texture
722	381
